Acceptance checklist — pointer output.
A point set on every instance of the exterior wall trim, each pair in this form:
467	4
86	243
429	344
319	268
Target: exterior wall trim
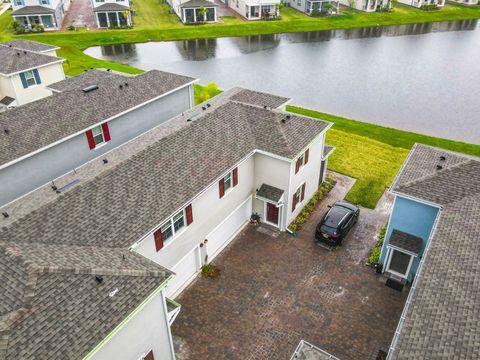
94	125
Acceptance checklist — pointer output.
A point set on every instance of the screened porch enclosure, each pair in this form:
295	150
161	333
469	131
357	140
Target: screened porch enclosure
266	11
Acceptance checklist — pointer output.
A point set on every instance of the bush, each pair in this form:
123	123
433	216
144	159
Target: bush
17	27
203	93
374	257
210	271
307	210
429	7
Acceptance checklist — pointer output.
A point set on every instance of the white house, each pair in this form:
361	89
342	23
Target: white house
467	2
195	11
177	194
87	116
315	7
26	69
255	9
47	13
112	13
368	5
422	3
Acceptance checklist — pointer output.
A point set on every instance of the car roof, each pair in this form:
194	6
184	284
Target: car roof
335	215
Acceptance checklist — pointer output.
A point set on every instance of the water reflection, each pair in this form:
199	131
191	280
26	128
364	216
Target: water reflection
197	49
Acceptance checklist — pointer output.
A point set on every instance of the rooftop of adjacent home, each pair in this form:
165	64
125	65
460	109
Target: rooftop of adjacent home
30	45
60	301
442	315
191	151
79	103
18	55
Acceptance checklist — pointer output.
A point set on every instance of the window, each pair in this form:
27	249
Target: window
178	221
98	137
172	226
298	196
302	161
228	182
44	2
29	79
18	3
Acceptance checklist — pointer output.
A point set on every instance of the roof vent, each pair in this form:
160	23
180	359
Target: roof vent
105	161
288	117
204	108
109	70
90	88
5	214
24	52
18	54
120	86
284	121
6	131
189	120
99	279
439	167
265	106
112	293
208	105
443	158
68	186
126	84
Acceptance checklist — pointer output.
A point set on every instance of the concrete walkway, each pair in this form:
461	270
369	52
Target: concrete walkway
275	290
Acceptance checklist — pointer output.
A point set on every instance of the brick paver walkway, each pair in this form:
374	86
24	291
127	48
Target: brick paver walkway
275	290
80	14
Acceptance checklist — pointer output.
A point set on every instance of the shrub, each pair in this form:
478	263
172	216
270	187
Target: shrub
203	93
429	7
302	218
210	271
374	257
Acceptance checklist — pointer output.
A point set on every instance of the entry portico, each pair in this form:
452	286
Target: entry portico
272	198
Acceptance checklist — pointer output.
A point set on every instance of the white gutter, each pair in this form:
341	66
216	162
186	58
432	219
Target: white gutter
94	125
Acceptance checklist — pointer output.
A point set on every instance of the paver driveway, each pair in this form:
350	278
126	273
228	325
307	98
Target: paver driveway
275	290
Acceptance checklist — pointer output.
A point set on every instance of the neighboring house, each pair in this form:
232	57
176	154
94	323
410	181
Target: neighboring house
26	69
421	3
87	116
255	9
47	13
112	13
467	2
432	241
180	192
195	11
73	302
368	5
315	7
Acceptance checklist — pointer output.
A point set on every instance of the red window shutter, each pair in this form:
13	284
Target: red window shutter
106	132
91	142
306	155
294	202
221	188
297	166
302	196
157	235
149	356
189	214
235	176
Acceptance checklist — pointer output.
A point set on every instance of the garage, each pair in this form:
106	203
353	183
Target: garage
228	228
185	270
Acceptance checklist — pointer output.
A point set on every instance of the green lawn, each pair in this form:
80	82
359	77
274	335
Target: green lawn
155	23
373	154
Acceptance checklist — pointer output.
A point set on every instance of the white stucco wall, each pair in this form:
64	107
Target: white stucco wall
48	75
6	87
208	211
146	330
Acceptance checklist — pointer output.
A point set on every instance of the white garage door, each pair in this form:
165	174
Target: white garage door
226	230
185	271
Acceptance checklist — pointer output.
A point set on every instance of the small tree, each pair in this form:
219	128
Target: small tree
17	27
328	7
203	12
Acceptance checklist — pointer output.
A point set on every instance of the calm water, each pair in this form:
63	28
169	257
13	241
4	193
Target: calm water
423	77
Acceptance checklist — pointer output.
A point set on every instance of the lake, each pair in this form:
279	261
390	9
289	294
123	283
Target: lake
421	77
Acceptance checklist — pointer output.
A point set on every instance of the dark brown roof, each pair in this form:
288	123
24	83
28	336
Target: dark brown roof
40	123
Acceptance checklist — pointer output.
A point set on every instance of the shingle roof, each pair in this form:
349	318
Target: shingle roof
52	306
270	192
7	100
122	204
259	98
43	122
328	150
405	241
14	60
198	3
443	316
33	10
111	7
30	45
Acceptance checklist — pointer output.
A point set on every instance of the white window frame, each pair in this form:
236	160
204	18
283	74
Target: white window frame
29	75
101	143
229	175
44	2
302	161
298	195
390	255
171	223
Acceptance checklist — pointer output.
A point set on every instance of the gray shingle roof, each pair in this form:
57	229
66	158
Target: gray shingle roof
7	100
96	213
33	10
13	60
111	7
442	319
30	45
405	241
270	192
259	98
198	3
328	150
52	306
43	122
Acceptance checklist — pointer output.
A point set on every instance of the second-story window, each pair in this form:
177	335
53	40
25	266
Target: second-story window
302	161
229	181
30	78
44	2
98	135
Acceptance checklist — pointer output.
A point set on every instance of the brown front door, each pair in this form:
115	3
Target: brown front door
272	214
